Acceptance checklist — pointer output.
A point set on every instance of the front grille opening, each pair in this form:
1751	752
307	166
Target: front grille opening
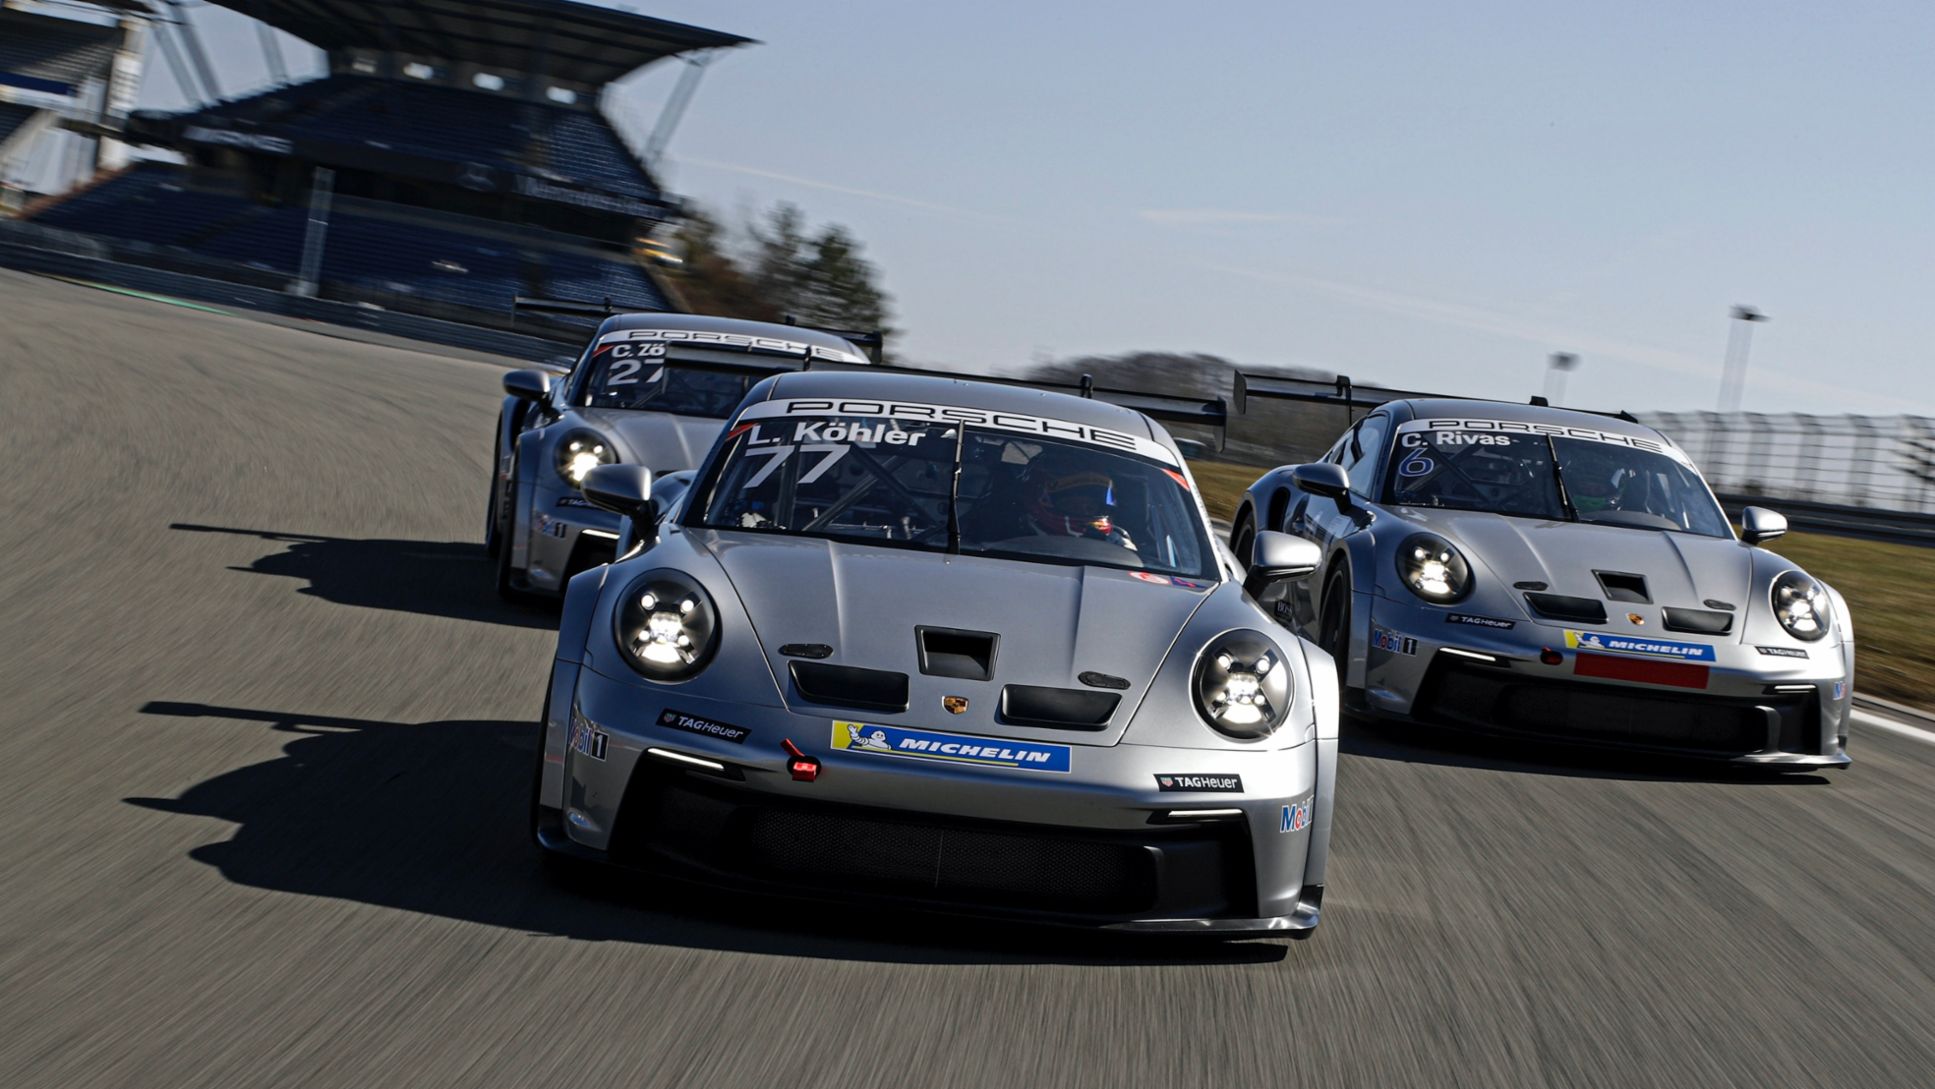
849	686
1581	610
1697	621
1624	587
951	652
1057	708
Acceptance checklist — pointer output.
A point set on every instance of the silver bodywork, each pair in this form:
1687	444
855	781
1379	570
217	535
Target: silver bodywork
1493	662
549	529
1228	862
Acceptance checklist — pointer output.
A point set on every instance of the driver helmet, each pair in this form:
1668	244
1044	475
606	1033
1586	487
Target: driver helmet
1592	481
1075	504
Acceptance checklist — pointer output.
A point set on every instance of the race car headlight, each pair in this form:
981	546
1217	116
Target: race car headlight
579	453
666	626
1242	685
1433	569
1801	606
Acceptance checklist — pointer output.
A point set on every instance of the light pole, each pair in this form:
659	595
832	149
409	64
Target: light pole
1733	373
1555	367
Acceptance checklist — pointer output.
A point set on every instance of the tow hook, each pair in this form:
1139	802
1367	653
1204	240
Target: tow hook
805	768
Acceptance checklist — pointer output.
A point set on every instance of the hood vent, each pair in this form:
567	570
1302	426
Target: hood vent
1579	610
949	652
1056	708
849	686
1624	587
1697	621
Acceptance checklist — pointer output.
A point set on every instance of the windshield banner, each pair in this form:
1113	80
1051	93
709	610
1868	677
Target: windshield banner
1453	432
915	412
701	338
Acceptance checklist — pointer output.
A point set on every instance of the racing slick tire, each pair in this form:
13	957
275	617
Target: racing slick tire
1333	628
1243	538
494	532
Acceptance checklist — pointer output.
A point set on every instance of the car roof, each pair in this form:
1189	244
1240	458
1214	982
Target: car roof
1450	408
708	323
964	393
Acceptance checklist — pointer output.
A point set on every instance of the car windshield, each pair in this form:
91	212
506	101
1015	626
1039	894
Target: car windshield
1020	496
640	376
1597	477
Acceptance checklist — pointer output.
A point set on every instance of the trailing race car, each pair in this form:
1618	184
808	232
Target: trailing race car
950	644
650	390
1560	574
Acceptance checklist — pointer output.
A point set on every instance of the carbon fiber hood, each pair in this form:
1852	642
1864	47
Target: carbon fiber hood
864	602
659	441
1681	569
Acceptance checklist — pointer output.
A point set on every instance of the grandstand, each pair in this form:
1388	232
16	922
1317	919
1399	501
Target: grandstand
455	155
81	67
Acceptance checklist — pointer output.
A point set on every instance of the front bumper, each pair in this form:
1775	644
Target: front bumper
1098	846
1744	707
559	534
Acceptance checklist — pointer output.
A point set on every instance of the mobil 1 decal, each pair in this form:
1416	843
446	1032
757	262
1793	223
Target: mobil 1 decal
913	412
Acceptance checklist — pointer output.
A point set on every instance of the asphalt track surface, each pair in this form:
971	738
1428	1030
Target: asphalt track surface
266	741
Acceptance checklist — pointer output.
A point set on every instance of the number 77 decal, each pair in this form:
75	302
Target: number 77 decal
833	451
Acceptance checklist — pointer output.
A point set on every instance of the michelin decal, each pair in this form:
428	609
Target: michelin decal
987	752
1646	648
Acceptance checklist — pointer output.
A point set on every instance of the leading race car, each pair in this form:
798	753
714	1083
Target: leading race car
948	644
1558	574
650	390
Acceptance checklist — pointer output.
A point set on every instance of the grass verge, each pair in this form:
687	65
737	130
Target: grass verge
1890	589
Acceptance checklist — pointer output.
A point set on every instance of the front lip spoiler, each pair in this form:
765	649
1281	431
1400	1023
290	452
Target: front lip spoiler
550	836
1784	761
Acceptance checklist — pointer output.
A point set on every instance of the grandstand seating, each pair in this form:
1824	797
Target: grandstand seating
143	205
45	50
12	116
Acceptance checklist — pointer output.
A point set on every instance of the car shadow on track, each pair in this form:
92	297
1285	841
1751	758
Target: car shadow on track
452	578
431	817
1381	739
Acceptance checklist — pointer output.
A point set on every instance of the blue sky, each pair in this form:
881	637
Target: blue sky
1426	195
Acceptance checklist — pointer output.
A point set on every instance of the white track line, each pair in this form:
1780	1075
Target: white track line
1875	721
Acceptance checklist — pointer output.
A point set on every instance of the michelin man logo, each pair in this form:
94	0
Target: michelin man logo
875	741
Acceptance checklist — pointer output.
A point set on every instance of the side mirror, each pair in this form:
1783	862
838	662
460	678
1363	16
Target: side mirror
1322	478
622	489
1759	524
1192	449
1278	556
527	385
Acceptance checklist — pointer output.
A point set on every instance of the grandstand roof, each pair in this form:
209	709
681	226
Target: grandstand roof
582	42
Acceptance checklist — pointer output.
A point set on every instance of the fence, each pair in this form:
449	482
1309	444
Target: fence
1878	462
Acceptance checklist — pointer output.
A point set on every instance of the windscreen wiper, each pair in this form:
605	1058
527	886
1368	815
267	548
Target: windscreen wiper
1558	477
954	494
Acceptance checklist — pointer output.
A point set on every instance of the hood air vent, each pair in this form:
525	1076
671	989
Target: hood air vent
849	686
1623	587
1697	621
1057	708
950	652
1580	610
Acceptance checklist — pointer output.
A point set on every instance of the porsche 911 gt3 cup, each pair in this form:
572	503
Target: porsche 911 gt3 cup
949	644
1559	574
650	390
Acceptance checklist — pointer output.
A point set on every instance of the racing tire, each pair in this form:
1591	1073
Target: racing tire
1243	538
1333	625
495	507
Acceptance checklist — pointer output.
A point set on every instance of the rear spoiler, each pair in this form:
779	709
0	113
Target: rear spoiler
1342	392
872	343
1212	412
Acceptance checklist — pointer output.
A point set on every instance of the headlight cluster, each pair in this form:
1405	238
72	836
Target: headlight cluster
666	626
1242	685
1433	569
579	453
1801	606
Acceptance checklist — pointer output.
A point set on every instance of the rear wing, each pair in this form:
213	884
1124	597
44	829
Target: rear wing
1211	412
872	343
1352	398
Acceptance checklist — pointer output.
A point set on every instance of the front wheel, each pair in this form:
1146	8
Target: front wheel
1243	538
1333	631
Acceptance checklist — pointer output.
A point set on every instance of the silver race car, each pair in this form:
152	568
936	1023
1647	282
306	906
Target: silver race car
1560	574
950	644
649	390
